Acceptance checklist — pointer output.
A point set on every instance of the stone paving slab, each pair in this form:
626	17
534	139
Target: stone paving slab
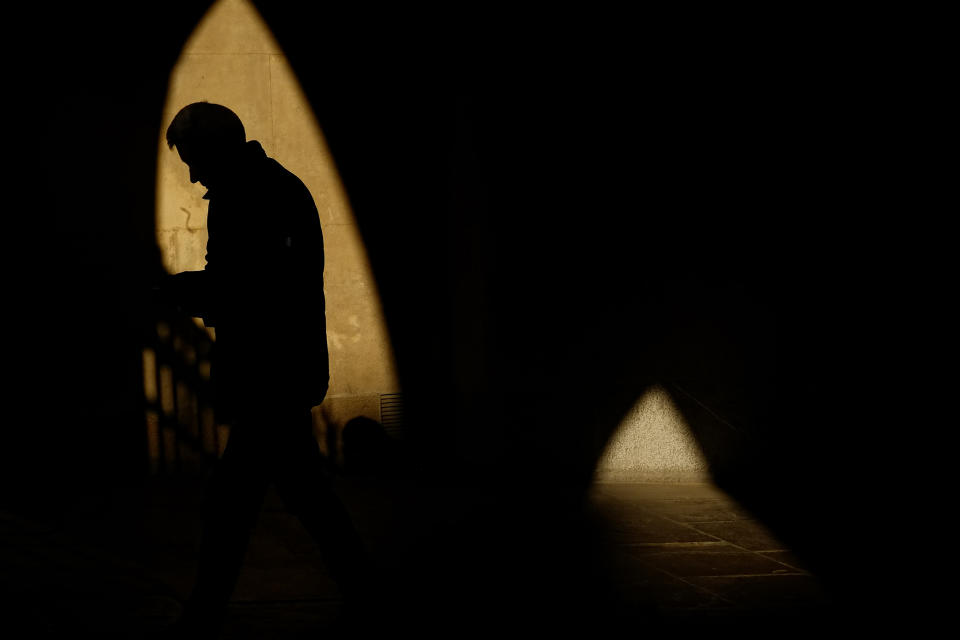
711	566
699	510
787	558
653	528
644	548
748	534
285	583
714	563
652	492
789	592
665	593
280	619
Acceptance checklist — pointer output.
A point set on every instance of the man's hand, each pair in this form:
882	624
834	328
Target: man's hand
186	292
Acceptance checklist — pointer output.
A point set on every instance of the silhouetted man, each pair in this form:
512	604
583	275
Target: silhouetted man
262	290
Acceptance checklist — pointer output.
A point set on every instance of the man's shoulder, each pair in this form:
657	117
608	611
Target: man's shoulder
280	173
283	181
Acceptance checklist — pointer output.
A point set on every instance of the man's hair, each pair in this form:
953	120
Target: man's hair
207	124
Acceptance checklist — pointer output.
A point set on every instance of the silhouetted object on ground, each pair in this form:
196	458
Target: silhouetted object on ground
262	288
366	446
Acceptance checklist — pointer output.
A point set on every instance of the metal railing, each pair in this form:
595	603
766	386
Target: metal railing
182	432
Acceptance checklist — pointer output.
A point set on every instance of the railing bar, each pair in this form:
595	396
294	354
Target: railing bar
174	389
157	369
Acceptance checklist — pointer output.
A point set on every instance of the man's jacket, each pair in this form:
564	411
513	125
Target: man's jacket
262	289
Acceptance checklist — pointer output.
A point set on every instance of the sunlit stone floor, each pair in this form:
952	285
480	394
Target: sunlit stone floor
451	561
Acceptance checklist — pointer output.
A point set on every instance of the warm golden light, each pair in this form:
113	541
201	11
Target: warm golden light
653	442
233	59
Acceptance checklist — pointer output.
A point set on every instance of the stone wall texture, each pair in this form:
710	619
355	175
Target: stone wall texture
233	59
653	443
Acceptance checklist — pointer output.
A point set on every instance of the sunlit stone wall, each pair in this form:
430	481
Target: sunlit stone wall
653	443
233	59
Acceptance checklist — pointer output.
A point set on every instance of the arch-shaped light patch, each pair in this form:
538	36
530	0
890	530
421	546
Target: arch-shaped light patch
653	443
233	59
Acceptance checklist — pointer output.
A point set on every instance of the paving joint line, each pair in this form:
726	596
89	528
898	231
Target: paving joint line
701	543
262	601
688	583
750	575
690	526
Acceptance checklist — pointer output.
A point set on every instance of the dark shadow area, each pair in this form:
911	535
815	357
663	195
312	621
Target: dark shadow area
88	144
560	212
367	448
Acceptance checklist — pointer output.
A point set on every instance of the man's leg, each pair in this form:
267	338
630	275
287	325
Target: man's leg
234	500
307	493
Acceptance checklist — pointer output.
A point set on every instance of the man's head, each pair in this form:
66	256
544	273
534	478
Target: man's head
209	138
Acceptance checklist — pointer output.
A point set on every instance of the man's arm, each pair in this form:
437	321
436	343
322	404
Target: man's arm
189	291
